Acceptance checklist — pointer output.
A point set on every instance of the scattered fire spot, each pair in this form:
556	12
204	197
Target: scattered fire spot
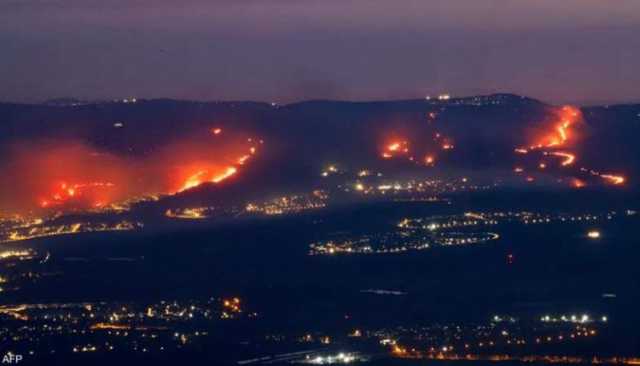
568	158
578	183
395	148
560	135
429	160
614	179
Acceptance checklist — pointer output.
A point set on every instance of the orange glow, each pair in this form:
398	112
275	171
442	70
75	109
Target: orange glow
613	179
394	146
560	136
194	180
193	164
560	133
568	158
429	160
398	350
70	176
227	173
399	146
59	175
577	183
216	131
64	193
243	159
207	175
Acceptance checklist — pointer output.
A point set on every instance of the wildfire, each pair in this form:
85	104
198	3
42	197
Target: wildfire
559	136
562	130
395	148
425	145
243	159
402	146
194	180
568	158
67	192
70	175
207	172
227	173
578	183
614	179
429	160
560	133
210	175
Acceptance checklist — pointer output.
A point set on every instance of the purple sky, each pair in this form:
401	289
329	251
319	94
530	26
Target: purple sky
285	50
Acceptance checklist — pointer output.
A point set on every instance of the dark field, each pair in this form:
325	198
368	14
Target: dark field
554	268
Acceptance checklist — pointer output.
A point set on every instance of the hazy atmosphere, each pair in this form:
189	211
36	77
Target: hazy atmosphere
576	51
301	182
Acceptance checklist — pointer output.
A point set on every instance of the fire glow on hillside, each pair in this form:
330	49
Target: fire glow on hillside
70	175
561	134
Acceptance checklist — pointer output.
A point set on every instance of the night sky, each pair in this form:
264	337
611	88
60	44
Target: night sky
579	51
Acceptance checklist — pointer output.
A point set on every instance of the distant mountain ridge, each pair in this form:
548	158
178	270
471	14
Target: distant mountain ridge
300	138
478	100
496	98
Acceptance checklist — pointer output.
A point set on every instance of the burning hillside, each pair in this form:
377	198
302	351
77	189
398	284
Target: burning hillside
70	175
560	139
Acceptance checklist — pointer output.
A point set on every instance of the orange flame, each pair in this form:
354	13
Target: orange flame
227	173
429	160
64	192
72	176
395	147
577	183
561	131
243	159
568	158
613	179
206	175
